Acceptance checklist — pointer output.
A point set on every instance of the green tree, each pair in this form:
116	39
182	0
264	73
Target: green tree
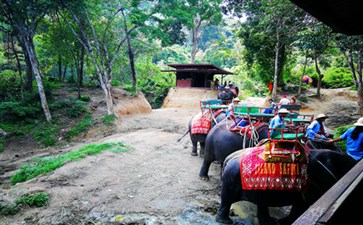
352	48
23	17
267	33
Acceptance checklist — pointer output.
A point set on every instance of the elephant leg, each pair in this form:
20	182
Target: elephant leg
295	212
231	192
202	146
194	148
264	217
203	173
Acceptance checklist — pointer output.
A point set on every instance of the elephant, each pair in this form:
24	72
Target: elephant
218	116
221	142
324	168
323	145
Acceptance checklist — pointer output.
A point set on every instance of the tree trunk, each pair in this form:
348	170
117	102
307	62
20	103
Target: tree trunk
350	62
29	72
195	34
59	68
303	73
81	69
320	76
28	43
132	62
19	67
64	72
276	68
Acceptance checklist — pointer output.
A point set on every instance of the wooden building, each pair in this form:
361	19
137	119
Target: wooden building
196	75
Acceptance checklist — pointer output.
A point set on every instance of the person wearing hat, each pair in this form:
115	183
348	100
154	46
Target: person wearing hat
317	131
231	106
278	121
354	138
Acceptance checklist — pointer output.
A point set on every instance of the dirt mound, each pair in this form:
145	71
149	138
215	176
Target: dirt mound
188	97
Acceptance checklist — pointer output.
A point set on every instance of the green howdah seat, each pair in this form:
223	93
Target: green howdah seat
252	111
212	104
288	136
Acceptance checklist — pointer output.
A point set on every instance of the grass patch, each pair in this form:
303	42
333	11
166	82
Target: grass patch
45	165
38	199
83	125
108	120
2	142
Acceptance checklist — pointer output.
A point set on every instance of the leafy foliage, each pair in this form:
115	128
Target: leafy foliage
18	110
336	77
154	83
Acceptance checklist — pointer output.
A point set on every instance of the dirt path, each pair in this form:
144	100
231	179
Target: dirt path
155	183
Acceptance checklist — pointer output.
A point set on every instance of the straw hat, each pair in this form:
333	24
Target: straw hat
236	99
283	111
359	122
322	116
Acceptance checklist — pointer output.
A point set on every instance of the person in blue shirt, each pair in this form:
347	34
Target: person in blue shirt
319	137
354	138
278	121
271	109
317	131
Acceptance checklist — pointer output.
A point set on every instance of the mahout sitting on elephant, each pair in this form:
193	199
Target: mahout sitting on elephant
324	168
223	139
199	133
226	95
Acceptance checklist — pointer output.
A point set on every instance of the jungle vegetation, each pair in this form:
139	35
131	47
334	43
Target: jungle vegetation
45	44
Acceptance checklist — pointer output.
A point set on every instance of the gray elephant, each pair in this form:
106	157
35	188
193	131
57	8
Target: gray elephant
196	138
221	142
324	168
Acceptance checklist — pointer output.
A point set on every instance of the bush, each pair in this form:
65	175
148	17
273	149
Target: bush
47	134
85	98
337	77
18	110
73	108
38	199
10	209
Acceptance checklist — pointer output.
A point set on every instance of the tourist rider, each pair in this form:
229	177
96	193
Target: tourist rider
284	101
278	121
231	106
354	138
318	135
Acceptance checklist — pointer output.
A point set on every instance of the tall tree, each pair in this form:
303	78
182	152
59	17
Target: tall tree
352	48
195	15
315	41
24	16
267	33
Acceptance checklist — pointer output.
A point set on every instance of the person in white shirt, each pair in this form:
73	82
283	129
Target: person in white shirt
284	101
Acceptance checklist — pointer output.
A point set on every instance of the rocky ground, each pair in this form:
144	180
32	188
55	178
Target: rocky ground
154	183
